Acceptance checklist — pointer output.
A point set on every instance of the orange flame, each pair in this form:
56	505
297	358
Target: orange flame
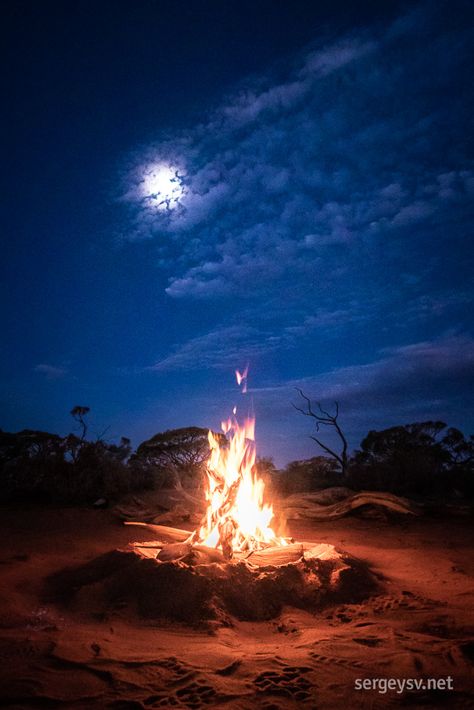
236	519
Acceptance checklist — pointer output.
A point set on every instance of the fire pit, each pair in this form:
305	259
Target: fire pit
191	582
236	524
234	557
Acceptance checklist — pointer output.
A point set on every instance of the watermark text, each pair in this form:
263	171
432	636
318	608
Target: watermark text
400	685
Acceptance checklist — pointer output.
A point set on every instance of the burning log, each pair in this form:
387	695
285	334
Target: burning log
202	555
163	532
276	556
236	519
175	551
194	554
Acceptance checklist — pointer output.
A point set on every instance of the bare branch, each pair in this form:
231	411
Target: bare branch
102	434
326	448
326	419
79	413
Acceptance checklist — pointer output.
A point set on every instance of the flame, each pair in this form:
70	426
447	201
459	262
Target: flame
236	519
241	378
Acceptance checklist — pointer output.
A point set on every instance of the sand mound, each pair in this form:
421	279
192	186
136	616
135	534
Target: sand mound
128	582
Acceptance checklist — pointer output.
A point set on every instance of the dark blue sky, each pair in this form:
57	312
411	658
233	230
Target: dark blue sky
191	186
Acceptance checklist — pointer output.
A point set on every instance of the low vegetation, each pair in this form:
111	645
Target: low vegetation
426	460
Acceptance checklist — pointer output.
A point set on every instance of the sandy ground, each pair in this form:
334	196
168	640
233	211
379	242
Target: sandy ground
421	626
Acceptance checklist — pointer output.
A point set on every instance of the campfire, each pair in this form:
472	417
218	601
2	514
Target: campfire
238	521
235	564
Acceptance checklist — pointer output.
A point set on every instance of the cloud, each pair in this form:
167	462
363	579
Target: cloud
412	213
428	307
328	321
406	370
227	345
405	374
325	61
304	176
51	372
224	347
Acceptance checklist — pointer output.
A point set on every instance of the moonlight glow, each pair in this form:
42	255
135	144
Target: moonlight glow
162	186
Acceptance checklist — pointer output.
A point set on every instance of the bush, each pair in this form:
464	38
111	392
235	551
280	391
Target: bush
308	475
43	467
421	459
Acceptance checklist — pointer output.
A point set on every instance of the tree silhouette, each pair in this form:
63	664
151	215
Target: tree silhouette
78	413
404	459
324	418
179	452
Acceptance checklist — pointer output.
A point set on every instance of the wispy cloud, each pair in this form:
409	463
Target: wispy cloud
227	344
407	375
51	372
221	348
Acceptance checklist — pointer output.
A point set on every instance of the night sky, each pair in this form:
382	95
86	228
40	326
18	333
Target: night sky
193	186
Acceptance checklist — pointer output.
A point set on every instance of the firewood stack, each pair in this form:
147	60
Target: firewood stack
175	545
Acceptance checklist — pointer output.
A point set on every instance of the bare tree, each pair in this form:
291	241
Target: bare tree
324	418
79	413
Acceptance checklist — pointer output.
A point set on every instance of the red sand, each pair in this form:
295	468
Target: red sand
422	626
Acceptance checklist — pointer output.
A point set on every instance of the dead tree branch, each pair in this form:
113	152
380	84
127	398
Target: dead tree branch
79	413
324	418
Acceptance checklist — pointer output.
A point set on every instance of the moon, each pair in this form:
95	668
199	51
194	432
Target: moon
162	186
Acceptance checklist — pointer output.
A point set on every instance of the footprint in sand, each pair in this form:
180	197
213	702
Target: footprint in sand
289	682
188	689
335	661
195	695
383	604
371	641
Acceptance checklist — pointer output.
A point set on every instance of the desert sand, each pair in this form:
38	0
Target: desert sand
419	625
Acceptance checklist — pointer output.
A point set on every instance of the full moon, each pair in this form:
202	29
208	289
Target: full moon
162	186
